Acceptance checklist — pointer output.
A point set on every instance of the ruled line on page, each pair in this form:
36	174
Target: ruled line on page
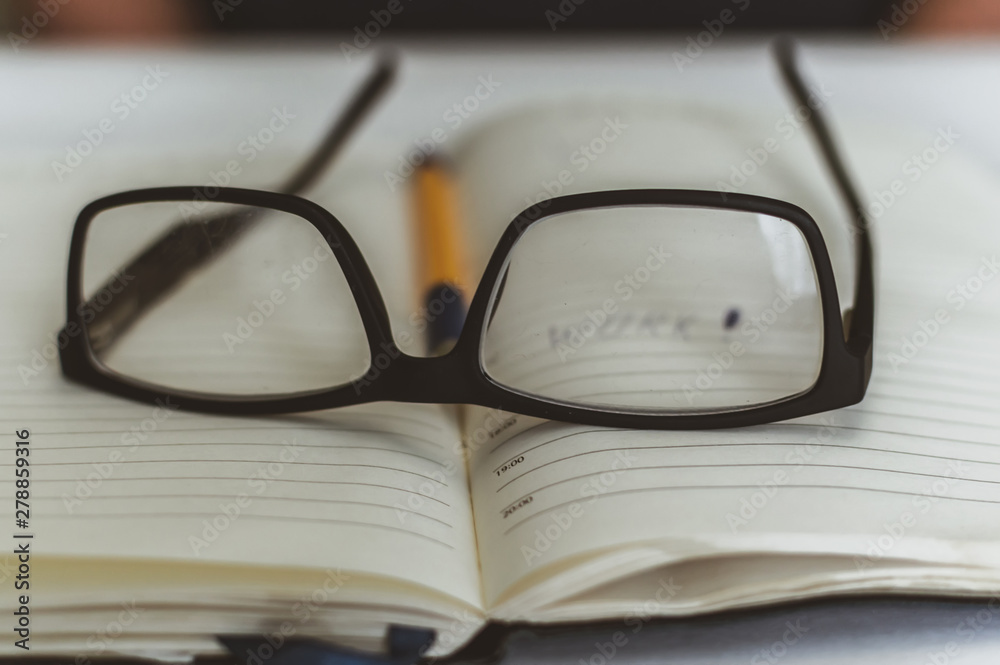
738	444
146	445
764	465
257	517
49	401
201	430
263	498
610	494
240	461
643	356
241	479
541	389
771	443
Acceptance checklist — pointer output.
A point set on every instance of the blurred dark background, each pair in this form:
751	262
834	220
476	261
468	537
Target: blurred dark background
129	20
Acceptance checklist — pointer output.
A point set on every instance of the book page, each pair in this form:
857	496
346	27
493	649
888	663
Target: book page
908	478
371	493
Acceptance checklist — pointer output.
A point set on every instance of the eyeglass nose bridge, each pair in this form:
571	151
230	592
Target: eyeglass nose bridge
444	379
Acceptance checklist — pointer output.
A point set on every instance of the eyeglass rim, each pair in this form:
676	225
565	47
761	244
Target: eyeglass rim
459	376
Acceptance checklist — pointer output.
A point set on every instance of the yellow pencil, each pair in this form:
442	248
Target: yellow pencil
442	265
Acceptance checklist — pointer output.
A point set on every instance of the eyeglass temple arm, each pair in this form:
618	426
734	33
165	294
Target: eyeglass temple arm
859	321
188	245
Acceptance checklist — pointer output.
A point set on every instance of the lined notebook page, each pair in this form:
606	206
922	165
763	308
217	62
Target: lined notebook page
379	491
912	473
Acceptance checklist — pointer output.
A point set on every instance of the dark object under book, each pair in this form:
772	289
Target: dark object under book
569	16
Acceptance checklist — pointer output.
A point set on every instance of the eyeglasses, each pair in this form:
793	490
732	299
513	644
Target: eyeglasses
652	308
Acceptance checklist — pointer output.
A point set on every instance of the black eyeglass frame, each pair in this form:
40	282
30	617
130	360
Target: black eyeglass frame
459	377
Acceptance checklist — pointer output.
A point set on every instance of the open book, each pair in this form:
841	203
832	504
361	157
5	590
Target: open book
156	530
